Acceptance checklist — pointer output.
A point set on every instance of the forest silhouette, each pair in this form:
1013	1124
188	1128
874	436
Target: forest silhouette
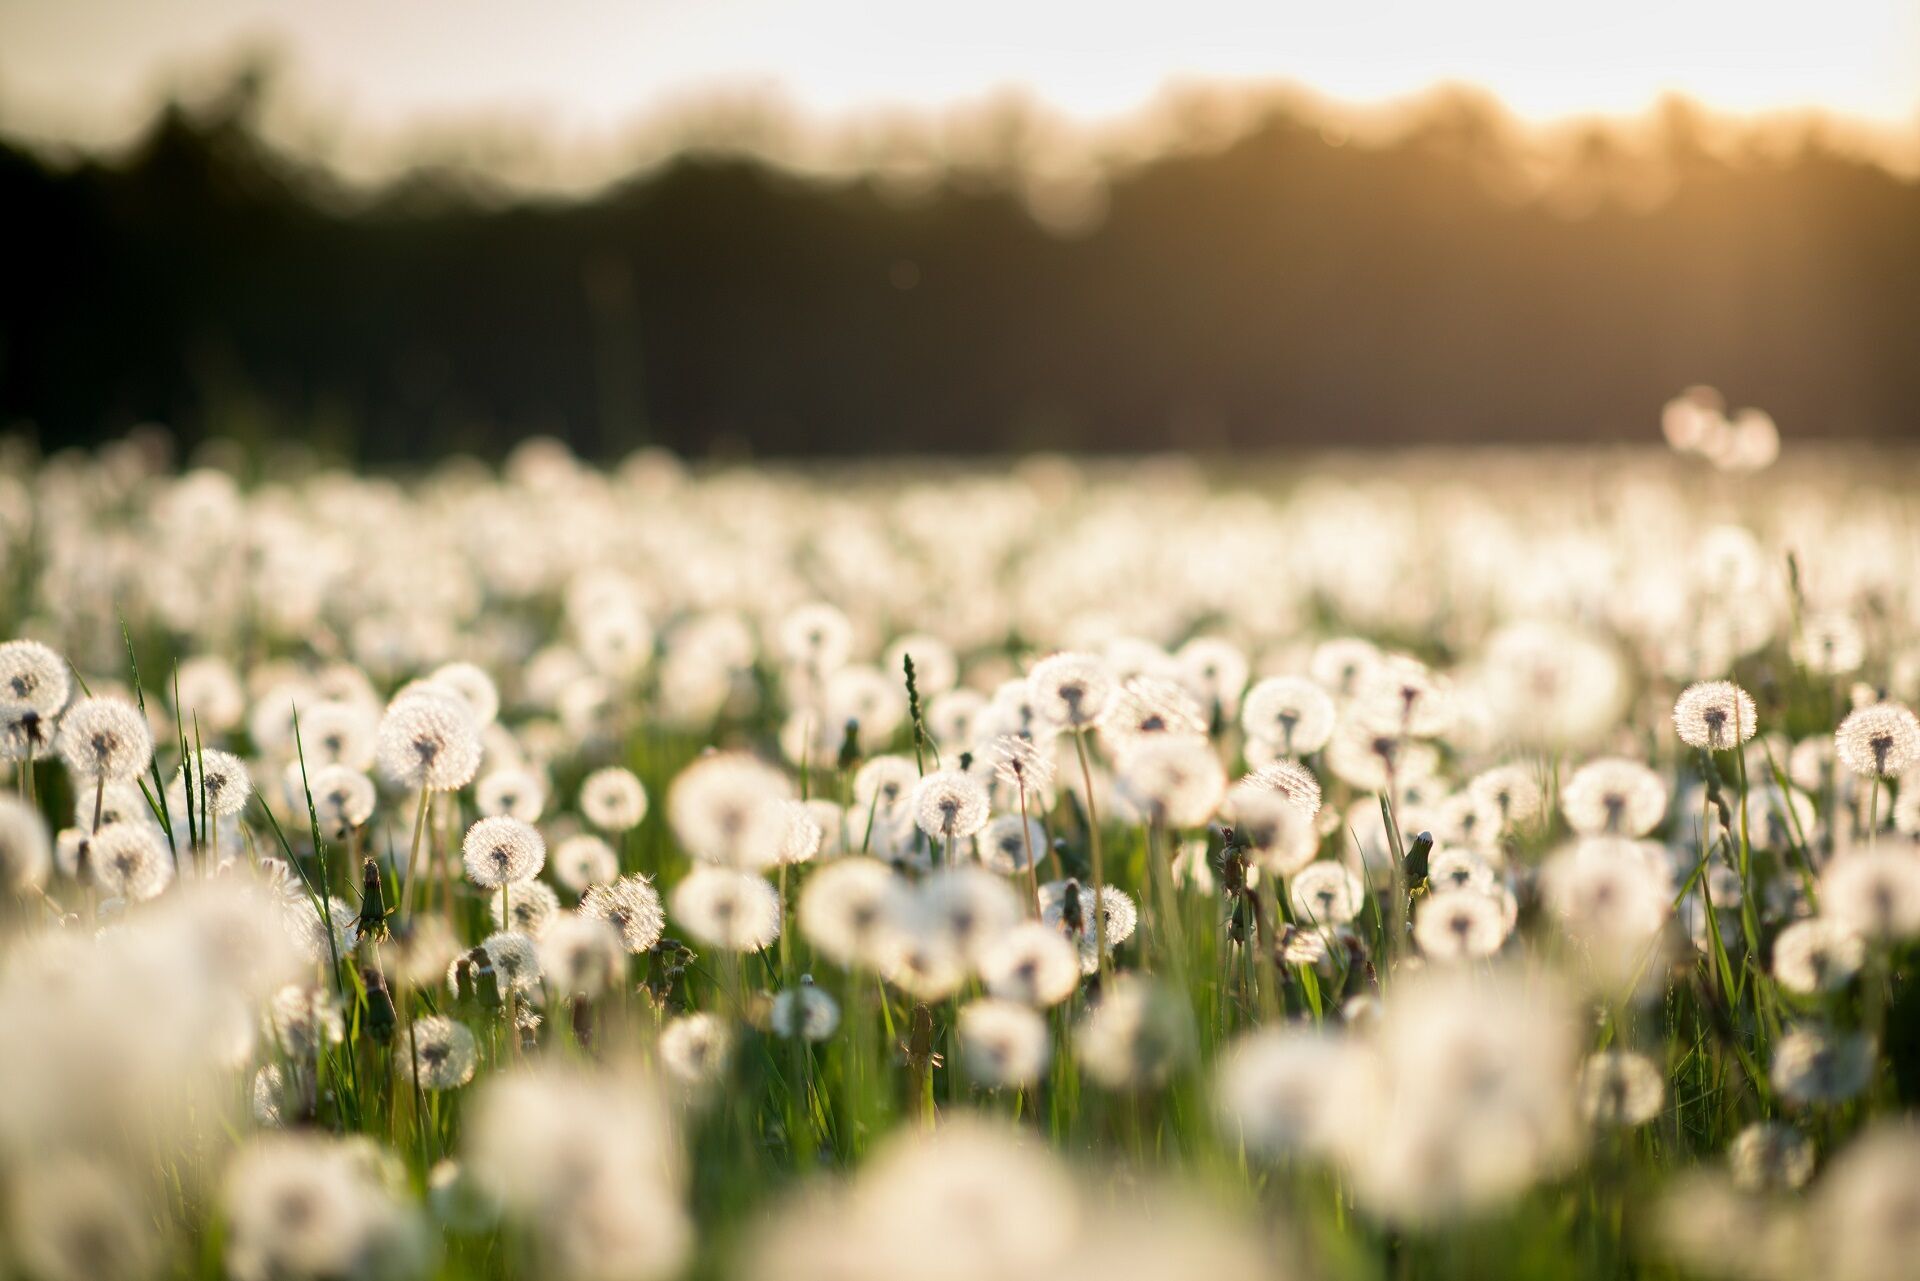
1288	289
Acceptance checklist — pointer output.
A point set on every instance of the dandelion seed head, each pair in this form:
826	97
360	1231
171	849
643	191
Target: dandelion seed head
1283	1091
436	1052
1878	741
1070	690
33	679
1173	782
1136	1037
613	799
1621	1088
1280	837
26	851
471	684
805	1012
501	851
1815	1065
1874	893
130	861
723	908
849	906
631	906
1716	715
343	797
696	1050
337	733
583	860
532	906
1817	955
728	809
511	791
1769	1156
214	782
1003	1044
304	1021
950	804
1460	925
105	738
1325	894
1614	796
1010	845
429	740
580	955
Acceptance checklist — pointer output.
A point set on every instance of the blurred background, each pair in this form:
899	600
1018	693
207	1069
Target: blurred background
391	230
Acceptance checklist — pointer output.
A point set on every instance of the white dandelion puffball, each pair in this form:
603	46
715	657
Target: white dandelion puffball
343	798
729	809
1880	741
437	1052
131	861
1010	845
1173	782
513	792
582	861
26	849
33	679
722	908
1614	796
1070	690
1021	765
950	804
105	739
429	740
805	1012
1817	955
1003	1044
473	687
1136	1037
817	638
1621	1088
1326	894
849	906
1875	893
1291	780
1716	715
1032	963
632	907
1460	925
613	799
696	1049
215	782
499	851
527	907
580	955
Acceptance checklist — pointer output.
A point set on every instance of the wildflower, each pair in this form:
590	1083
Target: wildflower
1341	664
511	792
215	780
73	1219
1032	963
130	861
1291	712
849	905
302	1206
816	638
885	786
1368	760
1769	1156
926	965
1829	643
949	805
1875	893
1621	1088
429	740
337	733
733	910
1326	894
696	1049
1003	1044
1400	696
1614	796
1136	1037
1287	1090
804	1011
1173	782
531	905
473	687
1070	690
1817	955
1145	709
613	800
1010	844
632	907
967	905
105	739
305	1021
437	1053
343	798
25	851
1815	1065
502	851
1289	779
1512	790
582	861
1879	741
728	809
33	689
1279	837
1069	905
580	955
1866	1210
320	936
1716	715
1459	924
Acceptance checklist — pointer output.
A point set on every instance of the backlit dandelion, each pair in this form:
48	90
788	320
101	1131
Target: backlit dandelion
1136	1037
1291	712
1459	925
26	851
949	805
215	782
1326	894
1070	690
343	798
613	799
696	1050
1873	893
502	851
729	809
1716	715
436	1052
429	741
736	911
580	955
1002	1043
805	1012
1817	955
1614	797
631	906
1621	1088
1032	963
105	739
1818	1066
130	861
1768	1156
1880	741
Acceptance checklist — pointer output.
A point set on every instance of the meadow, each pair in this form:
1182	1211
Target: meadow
1428	865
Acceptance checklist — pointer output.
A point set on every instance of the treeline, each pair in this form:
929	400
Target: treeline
1285	290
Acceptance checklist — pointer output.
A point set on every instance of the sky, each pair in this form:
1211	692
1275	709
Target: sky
577	72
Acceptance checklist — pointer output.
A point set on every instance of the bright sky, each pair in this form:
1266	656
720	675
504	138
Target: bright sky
573	69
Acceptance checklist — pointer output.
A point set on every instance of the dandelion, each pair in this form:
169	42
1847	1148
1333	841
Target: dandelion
1069	906
1459	925
336	733
1136	1037
1289	779
736	911
502	851
105	740
805	1012
305	1021
1829	643
1003	1044
729	809
1873	893
580	955
26	853
1768	1156
1621	1088
1173	782
1814	1065
968	906
632	907
216	780
1291	712
1511	790
1145	709
1070	690
343	798
1400	696
526	909
949	805
73	1219
130	861
884	786
1326	894
1880	741
613	800
849	906
300	1206
816	638
1866	1211
696	1050
1614	797
1817	955
926	966
1011	845
1287	1090
430	741
511	792
1031	963
34	687
1278	835
436	1053
320	935
1715	715
582	861
514	962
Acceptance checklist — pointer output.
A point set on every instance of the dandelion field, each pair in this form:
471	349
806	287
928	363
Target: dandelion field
1445	865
